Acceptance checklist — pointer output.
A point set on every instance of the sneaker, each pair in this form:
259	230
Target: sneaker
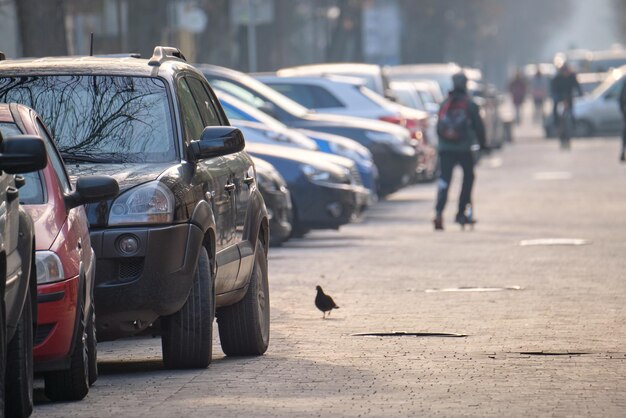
438	223
462	219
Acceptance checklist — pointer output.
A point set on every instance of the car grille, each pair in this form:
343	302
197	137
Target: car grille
131	268
42	333
355	176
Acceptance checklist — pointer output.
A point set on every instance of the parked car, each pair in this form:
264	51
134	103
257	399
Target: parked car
348	96
278	133
598	112
18	310
188	232
440	73
374	76
324	194
65	342
277	199
390	145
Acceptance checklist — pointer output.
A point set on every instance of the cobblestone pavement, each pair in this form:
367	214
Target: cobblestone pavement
571	304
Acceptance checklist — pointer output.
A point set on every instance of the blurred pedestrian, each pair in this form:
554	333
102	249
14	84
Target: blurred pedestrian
622	106
459	127
517	88
563	87
539	91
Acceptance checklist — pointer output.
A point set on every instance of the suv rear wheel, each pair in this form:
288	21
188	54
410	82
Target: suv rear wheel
19	371
245	326
187	335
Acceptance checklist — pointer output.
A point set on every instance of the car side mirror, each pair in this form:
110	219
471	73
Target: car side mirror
216	141
92	189
22	154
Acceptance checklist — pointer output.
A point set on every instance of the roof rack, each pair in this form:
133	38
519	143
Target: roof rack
165	53
119	55
2	56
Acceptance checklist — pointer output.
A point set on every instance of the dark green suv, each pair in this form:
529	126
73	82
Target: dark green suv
187	237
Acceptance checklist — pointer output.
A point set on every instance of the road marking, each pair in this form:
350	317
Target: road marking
553	175
553	241
474	289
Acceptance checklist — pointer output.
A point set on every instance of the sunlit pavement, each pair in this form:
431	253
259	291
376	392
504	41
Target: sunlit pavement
551	343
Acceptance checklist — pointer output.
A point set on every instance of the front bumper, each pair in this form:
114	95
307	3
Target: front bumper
395	169
326	205
279	210
56	322
132	290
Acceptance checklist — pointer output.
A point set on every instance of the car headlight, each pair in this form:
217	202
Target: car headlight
149	203
315	174
349	153
49	267
266	182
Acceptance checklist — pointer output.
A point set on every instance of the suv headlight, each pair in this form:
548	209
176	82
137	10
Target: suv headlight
49	267
151	203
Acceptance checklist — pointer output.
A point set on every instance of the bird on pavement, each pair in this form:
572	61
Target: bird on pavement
324	302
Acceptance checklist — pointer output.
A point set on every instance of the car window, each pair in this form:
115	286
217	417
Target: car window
310	96
210	116
53	154
192	121
32	192
114	119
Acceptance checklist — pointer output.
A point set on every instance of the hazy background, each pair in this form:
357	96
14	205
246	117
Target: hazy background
494	35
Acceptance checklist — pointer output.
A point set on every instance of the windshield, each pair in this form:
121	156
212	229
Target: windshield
257	94
608	83
112	119
601	65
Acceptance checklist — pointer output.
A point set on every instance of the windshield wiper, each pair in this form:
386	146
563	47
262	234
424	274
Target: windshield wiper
85	158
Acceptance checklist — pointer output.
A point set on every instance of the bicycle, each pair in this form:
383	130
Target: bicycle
566	124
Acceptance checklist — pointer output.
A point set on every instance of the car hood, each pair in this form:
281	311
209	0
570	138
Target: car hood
320	160
324	119
127	175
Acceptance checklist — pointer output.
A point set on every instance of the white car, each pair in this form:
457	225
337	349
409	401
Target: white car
599	112
441	73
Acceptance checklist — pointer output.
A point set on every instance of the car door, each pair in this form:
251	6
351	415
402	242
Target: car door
242	174
610	116
216	179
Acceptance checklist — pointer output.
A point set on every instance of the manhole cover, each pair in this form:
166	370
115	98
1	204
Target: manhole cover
553	175
474	289
408	334
553	241
553	353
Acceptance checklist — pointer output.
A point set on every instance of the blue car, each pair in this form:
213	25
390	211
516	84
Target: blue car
236	110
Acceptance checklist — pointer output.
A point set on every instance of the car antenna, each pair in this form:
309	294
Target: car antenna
91	45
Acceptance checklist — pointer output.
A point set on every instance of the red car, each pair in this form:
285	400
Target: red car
65	340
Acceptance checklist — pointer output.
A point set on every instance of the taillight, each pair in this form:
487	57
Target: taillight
397	120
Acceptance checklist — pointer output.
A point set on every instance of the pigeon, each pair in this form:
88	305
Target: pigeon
324	302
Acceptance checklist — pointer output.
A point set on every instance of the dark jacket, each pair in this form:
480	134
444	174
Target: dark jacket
476	131
564	85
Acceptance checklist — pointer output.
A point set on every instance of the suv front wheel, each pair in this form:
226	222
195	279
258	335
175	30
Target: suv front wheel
187	335
245	326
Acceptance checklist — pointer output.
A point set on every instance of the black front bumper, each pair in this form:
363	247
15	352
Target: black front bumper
132	290
324	206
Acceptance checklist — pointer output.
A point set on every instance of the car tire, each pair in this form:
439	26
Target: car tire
244	327
19	365
187	335
92	348
3	351
72	384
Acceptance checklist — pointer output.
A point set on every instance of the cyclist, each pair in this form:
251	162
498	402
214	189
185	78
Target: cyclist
563	87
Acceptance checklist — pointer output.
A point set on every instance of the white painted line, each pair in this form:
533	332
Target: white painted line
552	175
553	241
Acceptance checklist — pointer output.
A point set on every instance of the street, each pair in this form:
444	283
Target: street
550	342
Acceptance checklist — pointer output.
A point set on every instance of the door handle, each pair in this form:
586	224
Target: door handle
248	180
230	187
12	193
